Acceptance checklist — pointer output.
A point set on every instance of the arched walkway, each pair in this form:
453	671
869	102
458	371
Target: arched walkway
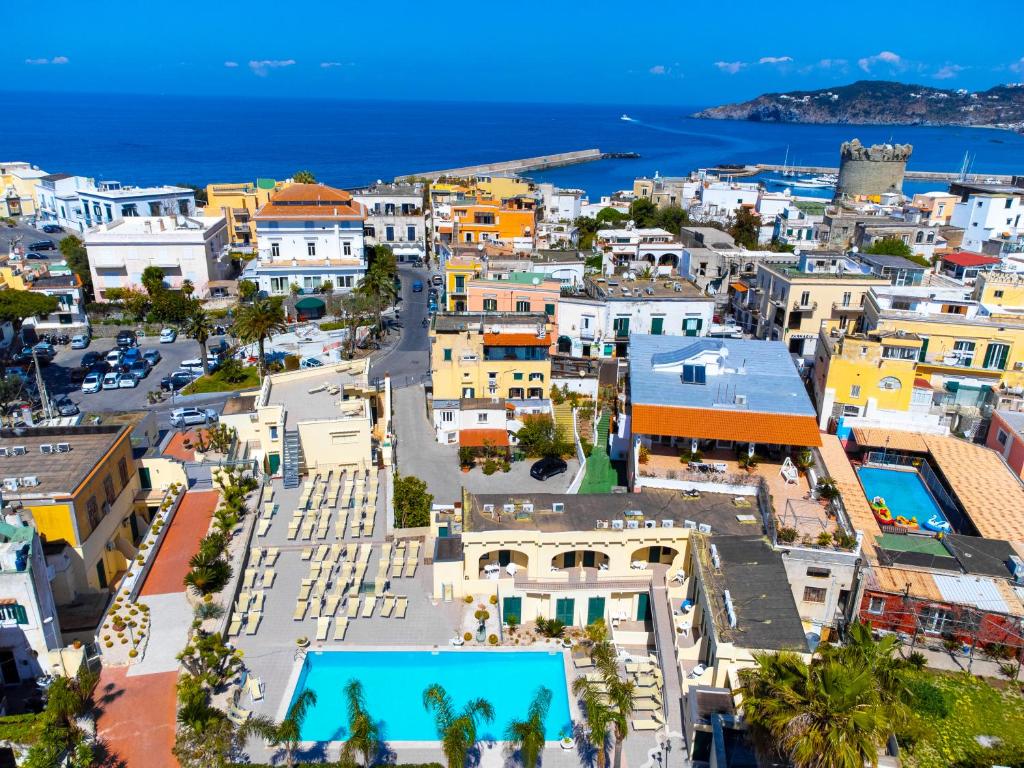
654	555
587	558
564	345
502	558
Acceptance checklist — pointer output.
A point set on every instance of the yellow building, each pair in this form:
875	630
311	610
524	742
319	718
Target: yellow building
11	281
483	210
238	203
18	188
490	355
458	271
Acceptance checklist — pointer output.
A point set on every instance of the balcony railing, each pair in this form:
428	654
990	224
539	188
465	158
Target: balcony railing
838	306
799	306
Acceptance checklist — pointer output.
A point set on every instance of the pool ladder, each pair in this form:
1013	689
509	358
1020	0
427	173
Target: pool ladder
300	653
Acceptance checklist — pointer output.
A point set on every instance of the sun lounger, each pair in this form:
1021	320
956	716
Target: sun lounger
272	554
249	578
306	531
268	578
368	524
242	603
401	606
257	602
638	666
270	493
646	725
352	609
300	610
304	588
331	604
255	555
396	567
252	622
410	568
368	603
255	687
269	508
236	624
262	527
387	607
647	690
378	585
645	705
238	715
340	627
355	528
314	571
323	626
335	554
293	530
582	661
321	553
339	524
307	553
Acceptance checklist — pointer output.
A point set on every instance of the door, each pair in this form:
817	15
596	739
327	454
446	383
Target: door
9	668
654	554
569	560
643	607
512	606
589	558
101	574
504	557
134	521
565	607
145	481
595	609
657	325
273	462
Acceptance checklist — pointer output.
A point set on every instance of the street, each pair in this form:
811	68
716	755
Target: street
408	360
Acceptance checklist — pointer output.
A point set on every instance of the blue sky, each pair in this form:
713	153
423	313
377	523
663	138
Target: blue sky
591	51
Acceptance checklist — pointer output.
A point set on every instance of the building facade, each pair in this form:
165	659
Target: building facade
109	201
238	204
395	218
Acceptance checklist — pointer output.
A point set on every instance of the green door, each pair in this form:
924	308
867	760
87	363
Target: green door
565	608
595	609
144	479
589	558
923	355
273	462
504	557
621	326
643	607
692	326
657	325
512	606
654	554
569	560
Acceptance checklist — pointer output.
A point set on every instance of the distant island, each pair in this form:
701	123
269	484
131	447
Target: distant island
880	102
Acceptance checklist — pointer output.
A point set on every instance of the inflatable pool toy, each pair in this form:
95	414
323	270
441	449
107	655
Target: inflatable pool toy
884	515
938	524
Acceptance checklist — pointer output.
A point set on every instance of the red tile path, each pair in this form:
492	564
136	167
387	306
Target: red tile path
191	523
136	721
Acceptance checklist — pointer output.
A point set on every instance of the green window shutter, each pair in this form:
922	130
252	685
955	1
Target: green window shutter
448	354
549	310
145	480
595	609
989	354
924	350
512	606
996	356
657	325
565	609
20	614
517	377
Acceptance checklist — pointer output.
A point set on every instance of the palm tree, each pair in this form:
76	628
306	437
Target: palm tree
378	286
363	733
527	736
620	695
258	322
456	729
304	177
598	713
288	732
198	327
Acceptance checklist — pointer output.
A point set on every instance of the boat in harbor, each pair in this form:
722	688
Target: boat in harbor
626	117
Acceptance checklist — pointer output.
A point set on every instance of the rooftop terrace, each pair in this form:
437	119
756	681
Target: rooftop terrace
57	472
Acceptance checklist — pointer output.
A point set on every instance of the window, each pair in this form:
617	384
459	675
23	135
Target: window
481	418
846	298
155	209
965	352
899	353
92	512
1009	202
13	612
890	383
275	250
522	305
1001	437
129	211
108	489
346	248
490	305
109	210
692	326
815	594
855	390
273	431
818	573
460	283
694	374
997	294
876	605
549	310
920	237
311	248
536	377
389	234
805	298
996	356
410	233
935	620
468	393
447	416
447	353
517	376
278	284
122	470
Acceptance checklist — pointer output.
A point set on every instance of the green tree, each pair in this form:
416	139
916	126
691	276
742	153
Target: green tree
288	732
746	227
527	736
171	306
587	229
188	288
541	436
894	246
199	327
611	216
355	311
620	694
378	287
304	177
672	218
17	306
210	659
247	290
363	733
457	730
412	502
598	713
77	258
258	322
134	301
12	390
153	280
643	212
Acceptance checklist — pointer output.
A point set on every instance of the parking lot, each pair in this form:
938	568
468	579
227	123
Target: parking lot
24	236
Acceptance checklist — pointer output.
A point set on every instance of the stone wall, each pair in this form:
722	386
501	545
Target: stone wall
871	170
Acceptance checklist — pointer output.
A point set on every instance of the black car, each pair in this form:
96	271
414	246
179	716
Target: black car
548	467
176	381
32	255
77	375
52	229
126	339
42	245
89	359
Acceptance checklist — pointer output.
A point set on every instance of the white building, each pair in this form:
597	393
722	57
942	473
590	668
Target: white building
109	201
395	217
70	316
561	205
639	248
58	202
590	210
308	234
184	248
597	321
988	212
722	198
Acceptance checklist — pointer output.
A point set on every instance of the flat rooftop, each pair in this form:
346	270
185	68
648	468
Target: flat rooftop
454	322
309	397
581	512
155	225
57	473
615	287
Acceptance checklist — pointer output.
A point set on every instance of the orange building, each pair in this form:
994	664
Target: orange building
516	292
484	219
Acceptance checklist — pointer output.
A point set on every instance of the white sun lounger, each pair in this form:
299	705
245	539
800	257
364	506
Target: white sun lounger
252	622
293	530
272	554
242	603
257	602
249	578
340	627
352	609
397	566
387	607
401	606
262	528
304	588
331	604
321	553
236	624
323	626
307	552
368	603
300	610
410	568
306	531
268	578
646	725
255	555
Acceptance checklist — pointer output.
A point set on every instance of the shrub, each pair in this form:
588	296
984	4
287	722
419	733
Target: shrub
929	701
490	467
132	653
493	599
786	535
492	639
645	454
291	362
466	456
468	636
481	615
467	599
824	539
332	326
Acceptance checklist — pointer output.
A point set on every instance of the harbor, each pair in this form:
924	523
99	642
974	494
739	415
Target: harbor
512	167
744	171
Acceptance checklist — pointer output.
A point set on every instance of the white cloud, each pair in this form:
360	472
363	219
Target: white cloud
1018	66
658	69
330	64
833	63
54	60
775	60
230	64
263	66
882	57
948	71
731	67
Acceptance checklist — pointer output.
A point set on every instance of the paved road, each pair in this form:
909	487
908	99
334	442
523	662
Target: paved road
25	235
407	359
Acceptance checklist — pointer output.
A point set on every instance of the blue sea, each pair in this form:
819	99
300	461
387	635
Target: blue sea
197	140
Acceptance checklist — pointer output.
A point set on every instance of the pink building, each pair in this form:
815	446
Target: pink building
1006	435
515	292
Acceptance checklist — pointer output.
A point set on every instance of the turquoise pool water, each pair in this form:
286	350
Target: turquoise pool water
393	682
905	494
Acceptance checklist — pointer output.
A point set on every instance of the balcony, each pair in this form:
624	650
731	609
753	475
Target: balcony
799	306
838	306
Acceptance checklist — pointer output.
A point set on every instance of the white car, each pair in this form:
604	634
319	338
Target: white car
196	365
92	383
168	335
128	381
190	417
111	380
113	357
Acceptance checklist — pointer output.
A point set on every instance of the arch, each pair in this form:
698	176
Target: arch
650	258
574	558
655	554
502	558
668	258
564	345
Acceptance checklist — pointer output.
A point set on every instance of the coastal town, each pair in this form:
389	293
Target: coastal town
469	469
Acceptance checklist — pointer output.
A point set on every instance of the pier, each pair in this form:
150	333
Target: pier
814	170
511	167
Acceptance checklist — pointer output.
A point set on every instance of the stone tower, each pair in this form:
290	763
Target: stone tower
871	170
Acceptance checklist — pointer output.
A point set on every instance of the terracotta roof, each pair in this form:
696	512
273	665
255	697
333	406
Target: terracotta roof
838	467
725	424
969	259
890	438
311	201
517	339
477	438
898	580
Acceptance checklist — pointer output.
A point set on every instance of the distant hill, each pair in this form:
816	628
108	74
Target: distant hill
881	102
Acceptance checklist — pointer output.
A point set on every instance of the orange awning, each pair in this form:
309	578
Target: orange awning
517	340
715	424
480	438
738	286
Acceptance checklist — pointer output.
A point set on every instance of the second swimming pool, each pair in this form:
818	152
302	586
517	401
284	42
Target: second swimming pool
906	496
393	683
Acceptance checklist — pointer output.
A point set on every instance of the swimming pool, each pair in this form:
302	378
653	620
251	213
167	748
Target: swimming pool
906	496
393	683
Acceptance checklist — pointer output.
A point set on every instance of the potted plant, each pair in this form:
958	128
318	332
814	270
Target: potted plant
466	458
302	642
645	454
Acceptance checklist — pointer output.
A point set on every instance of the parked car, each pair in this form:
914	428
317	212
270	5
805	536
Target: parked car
93	382
111	380
130	355
114	358
548	467
417	286
52	229
152	356
178	380
79	341
33	256
127	339
437	280
168	335
311	362
42	245
139	368
128	381
190	417
89	359
195	364
64	406
77	375
45	349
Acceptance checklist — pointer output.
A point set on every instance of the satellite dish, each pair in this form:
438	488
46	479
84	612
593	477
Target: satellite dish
536	281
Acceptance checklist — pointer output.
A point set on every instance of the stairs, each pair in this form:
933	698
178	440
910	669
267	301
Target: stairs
600	476
291	458
601	438
563	416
